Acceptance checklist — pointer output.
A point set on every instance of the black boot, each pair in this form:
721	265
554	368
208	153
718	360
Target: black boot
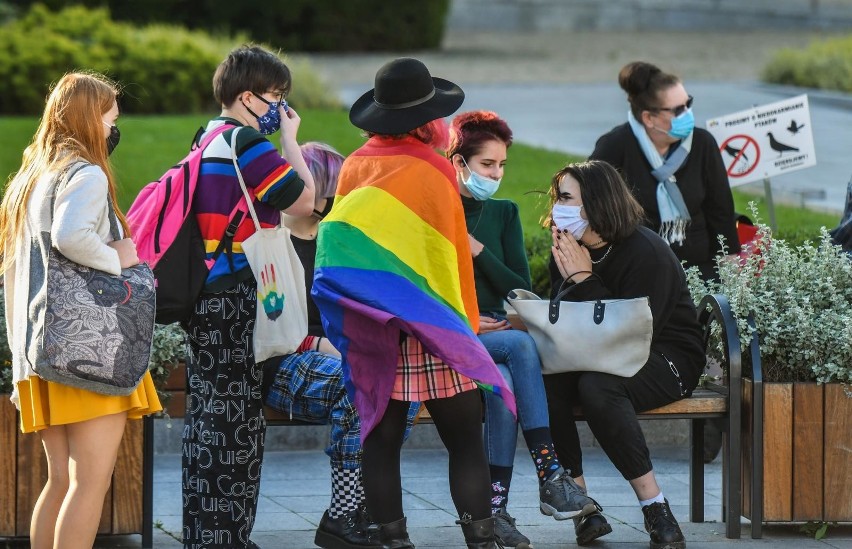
662	526
479	534
394	535
348	531
590	527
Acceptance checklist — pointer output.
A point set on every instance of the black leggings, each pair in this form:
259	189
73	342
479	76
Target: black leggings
610	404
459	423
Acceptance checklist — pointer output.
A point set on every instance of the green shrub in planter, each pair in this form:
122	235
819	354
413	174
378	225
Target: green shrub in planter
168	348
801	298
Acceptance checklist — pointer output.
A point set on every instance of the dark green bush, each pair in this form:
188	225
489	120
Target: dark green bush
164	69
295	25
5	352
538	254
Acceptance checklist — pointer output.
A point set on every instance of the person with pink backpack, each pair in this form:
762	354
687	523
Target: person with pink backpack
224	425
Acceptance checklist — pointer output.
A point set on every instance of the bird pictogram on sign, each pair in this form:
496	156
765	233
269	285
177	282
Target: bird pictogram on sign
741	155
794	127
779	147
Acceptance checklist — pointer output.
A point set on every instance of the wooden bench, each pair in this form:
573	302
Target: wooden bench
710	401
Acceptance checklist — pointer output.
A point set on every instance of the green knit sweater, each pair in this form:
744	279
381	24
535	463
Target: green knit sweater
502	265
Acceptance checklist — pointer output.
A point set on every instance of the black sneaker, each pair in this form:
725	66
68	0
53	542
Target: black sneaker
347	531
507	533
662	526
562	498
590	527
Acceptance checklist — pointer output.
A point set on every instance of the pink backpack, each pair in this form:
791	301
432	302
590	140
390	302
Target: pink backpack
168	238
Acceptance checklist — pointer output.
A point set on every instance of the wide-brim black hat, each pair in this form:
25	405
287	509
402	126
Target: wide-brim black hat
405	97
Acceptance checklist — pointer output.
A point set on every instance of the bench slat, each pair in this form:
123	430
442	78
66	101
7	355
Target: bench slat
703	402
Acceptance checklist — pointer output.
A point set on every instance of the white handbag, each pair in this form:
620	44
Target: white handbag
606	335
281	322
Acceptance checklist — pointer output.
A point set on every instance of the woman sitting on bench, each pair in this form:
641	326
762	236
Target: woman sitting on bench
596	225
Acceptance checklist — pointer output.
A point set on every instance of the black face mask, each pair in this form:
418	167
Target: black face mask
329	202
113	139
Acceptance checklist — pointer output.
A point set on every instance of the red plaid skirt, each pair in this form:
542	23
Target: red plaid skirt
421	376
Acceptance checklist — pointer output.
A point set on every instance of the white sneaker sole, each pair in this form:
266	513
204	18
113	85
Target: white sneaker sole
565	515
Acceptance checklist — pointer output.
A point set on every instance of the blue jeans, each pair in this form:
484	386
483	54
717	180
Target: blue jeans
516	356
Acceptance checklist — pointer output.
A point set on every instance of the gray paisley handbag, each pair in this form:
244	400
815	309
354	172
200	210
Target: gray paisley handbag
98	327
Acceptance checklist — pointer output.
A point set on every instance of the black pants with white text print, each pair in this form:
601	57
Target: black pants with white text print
223	424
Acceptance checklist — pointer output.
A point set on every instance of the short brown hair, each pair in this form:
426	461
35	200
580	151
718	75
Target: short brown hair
249	68
610	207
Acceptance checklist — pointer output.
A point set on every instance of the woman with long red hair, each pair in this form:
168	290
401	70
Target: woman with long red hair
80	430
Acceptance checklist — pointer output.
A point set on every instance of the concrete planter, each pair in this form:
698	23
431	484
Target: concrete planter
23	472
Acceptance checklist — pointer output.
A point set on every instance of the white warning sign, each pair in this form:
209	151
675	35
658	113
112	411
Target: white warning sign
765	141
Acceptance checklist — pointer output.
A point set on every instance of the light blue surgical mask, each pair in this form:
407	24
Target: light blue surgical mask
568	217
682	125
480	187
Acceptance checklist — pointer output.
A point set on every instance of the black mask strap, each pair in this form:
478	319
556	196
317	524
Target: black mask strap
329	202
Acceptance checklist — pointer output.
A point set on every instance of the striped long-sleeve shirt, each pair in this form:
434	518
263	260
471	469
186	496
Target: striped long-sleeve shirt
273	180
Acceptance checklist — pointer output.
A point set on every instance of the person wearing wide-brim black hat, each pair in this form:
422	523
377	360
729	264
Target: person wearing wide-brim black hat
393	304
406	96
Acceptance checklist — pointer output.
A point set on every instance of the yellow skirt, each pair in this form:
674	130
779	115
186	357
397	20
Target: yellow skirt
44	403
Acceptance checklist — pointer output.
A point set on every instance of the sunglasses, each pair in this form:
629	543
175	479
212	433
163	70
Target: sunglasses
679	110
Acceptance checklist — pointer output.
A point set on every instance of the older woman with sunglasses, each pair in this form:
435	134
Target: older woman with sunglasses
674	169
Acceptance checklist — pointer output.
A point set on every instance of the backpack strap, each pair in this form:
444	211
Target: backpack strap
227	240
203	137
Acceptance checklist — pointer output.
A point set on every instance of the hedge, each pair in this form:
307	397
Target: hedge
295	25
164	69
825	64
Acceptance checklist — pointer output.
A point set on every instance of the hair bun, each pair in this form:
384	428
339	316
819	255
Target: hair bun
635	78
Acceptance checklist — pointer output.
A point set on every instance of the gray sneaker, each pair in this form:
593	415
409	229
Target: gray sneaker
507	533
562	498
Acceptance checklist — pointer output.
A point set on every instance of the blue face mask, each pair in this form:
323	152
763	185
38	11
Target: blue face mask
270	122
480	187
682	125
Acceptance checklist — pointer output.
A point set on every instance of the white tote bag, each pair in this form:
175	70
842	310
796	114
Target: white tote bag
281	322
605	335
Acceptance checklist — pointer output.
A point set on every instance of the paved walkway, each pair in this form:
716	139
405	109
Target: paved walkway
559	90
295	492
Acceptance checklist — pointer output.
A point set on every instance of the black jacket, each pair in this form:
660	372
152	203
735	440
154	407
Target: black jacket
702	180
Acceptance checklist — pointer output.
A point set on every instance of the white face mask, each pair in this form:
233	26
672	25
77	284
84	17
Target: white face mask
568	217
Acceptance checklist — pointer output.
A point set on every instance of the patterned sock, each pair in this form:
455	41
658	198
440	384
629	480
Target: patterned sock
501	478
541	449
346	491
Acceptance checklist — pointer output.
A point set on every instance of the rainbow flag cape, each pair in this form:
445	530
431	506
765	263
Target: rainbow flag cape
393	255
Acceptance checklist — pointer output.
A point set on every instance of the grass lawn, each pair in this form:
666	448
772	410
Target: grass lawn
151	144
